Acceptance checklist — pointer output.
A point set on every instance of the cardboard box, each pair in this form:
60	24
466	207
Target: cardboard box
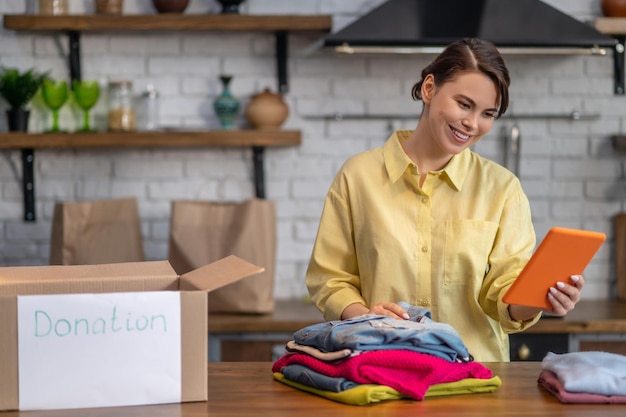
18	284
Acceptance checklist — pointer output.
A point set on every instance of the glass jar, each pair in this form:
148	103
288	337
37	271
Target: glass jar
149	110
121	115
53	7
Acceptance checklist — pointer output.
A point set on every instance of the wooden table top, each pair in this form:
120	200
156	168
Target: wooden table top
589	316
240	389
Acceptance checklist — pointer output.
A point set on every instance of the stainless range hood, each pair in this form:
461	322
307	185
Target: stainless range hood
426	26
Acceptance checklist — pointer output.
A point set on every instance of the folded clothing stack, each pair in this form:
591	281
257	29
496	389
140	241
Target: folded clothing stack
585	377
372	358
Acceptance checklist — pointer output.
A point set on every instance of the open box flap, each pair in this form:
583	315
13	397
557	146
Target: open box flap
218	274
69	279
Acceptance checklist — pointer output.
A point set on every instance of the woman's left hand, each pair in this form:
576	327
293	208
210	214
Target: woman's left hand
564	296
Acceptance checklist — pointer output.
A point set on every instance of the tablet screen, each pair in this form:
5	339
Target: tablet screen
562	252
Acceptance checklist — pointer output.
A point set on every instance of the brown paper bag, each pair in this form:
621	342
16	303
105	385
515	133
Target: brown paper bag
204	231
96	232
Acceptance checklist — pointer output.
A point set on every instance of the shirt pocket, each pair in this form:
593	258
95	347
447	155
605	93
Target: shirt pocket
468	244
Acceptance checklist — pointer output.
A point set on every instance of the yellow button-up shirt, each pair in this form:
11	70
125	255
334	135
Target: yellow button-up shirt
454	245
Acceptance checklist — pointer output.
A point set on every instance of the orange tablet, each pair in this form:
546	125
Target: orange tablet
562	252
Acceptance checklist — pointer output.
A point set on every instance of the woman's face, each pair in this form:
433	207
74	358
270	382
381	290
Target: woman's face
461	111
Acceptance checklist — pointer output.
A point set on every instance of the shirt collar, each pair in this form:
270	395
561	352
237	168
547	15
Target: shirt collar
397	161
457	168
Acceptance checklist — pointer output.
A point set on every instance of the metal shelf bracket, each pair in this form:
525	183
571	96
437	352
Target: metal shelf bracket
618	65
259	171
281	61
74	57
28	154
28	184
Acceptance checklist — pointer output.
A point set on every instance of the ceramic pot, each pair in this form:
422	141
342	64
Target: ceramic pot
17	120
109	6
226	106
613	8
267	110
170	6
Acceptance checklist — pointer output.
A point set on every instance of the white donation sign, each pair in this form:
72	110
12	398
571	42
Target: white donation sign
99	350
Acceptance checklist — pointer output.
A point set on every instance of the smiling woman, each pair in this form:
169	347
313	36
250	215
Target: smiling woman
425	220
464	108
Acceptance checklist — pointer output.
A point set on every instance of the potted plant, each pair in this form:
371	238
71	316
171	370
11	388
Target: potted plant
18	88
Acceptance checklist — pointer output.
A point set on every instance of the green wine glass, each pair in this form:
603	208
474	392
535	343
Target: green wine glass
86	95
55	94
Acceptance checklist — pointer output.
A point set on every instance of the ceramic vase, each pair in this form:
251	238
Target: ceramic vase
613	8
267	110
226	106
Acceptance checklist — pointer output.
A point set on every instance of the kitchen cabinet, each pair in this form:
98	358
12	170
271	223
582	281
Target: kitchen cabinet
592	325
535	346
253	338
74	25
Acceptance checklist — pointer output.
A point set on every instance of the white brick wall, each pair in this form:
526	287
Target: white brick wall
571	174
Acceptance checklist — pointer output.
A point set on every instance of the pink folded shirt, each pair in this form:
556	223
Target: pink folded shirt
550	382
410	373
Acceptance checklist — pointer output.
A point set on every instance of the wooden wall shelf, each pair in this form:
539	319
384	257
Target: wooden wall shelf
611	25
169	139
74	25
169	22
258	140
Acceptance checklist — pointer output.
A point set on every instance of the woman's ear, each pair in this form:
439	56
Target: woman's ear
428	88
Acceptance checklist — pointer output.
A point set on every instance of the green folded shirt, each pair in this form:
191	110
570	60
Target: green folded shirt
371	393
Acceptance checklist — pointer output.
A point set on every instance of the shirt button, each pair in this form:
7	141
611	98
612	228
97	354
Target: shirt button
423	302
424	249
424	200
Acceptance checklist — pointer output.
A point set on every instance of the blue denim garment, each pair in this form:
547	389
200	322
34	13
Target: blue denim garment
306	376
373	332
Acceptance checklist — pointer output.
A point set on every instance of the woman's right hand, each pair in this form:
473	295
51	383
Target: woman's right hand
389	309
382	309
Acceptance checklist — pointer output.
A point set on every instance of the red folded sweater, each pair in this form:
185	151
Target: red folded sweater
410	373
